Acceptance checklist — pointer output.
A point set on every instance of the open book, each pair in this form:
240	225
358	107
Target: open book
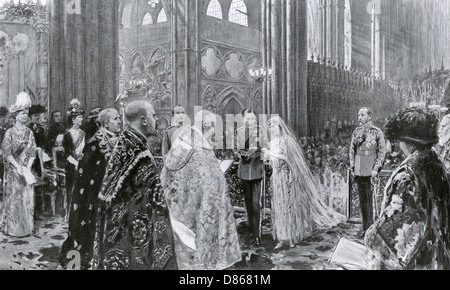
30	179
225	165
349	255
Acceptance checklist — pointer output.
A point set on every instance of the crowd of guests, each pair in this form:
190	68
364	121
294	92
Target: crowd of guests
332	150
126	212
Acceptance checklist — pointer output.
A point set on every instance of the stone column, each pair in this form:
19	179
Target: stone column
287	35
83	54
186	54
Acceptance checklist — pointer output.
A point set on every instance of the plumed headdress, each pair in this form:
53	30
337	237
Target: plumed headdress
23	102
75	110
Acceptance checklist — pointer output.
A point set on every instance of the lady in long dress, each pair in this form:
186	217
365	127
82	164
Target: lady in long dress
19	153
73	142
297	208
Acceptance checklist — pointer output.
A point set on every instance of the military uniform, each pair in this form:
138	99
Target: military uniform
367	153
251	172
169	135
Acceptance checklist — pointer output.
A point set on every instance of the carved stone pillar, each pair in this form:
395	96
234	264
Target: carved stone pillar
287	36
84	54
186	53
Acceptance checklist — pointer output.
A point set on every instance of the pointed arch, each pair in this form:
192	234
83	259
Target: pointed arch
162	16
257	100
137	65
123	65
127	13
214	9
232	94
156	50
157	62
209	99
147	19
136	54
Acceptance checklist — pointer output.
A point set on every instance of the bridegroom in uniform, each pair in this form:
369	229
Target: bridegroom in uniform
250	139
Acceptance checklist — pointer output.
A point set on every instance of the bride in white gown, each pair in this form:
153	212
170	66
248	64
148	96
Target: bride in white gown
296	205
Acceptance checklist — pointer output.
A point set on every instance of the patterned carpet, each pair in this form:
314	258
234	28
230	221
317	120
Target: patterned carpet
42	250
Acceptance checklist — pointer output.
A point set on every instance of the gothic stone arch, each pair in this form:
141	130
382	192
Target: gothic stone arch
232	100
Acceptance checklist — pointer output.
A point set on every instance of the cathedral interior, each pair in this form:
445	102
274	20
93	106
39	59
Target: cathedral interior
311	61
315	63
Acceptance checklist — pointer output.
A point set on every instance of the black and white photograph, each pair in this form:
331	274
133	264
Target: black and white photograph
225	135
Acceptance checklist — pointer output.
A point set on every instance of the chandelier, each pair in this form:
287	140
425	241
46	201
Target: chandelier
153	3
136	84
260	75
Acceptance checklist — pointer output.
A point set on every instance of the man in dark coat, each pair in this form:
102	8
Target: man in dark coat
83	210
172	132
90	125
39	131
40	135
56	128
250	139
133	230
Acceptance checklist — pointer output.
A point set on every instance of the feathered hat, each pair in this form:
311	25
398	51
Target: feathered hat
37	109
76	109
23	102
414	126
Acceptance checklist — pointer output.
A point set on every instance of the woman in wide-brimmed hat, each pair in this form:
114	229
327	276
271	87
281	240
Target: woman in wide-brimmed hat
19	153
413	229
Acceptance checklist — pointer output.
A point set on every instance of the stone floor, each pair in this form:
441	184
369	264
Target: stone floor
41	251
38	252
312	253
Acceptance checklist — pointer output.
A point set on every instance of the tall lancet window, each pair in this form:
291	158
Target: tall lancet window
238	13
214	9
348	35
127	14
162	16
147	20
